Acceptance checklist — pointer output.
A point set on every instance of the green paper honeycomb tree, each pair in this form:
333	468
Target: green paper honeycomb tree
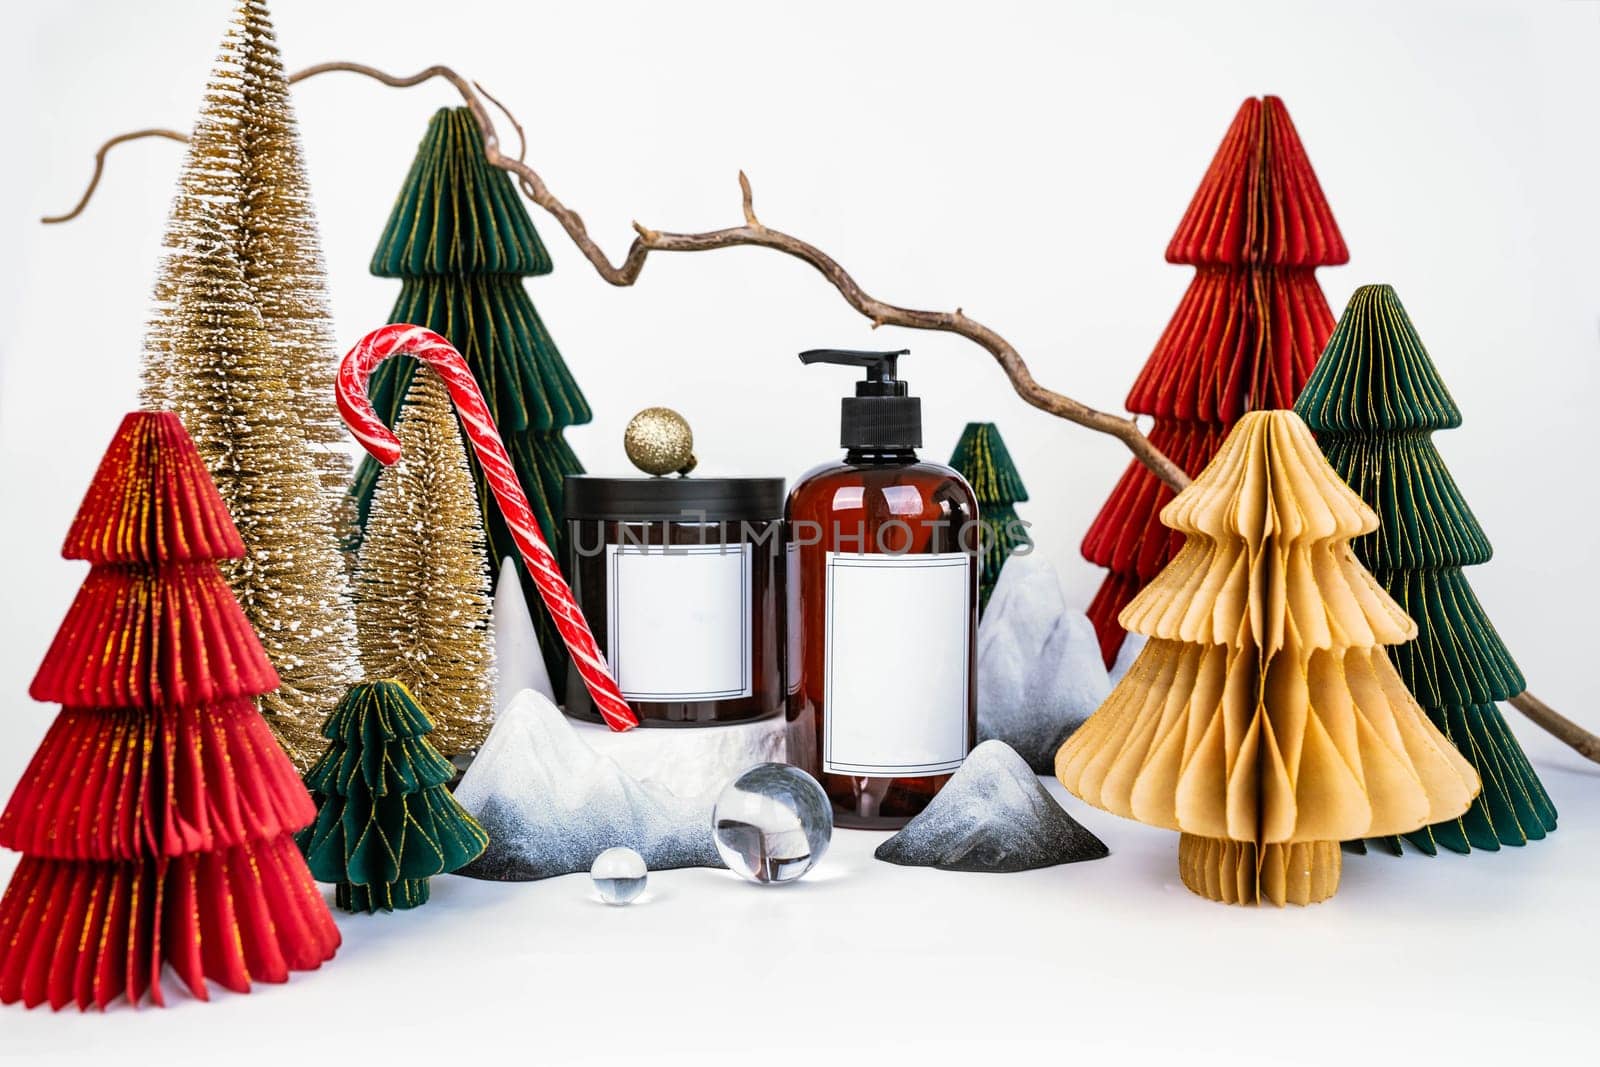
983	460
460	241
1374	401
386	822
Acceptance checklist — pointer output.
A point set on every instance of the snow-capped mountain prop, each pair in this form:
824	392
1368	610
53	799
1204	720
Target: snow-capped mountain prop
1040	673
993	815
552	804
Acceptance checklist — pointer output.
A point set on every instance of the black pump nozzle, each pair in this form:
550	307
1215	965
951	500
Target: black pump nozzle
883	378
882	414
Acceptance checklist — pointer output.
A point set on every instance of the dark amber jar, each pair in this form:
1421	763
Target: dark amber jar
900	535
682	582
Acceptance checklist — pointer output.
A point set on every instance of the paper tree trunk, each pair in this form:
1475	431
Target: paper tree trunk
385	821
461	241
1374	402
1244	337
1263	719
155	819
984	461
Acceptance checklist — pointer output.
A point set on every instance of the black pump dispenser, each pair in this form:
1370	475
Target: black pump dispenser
881	416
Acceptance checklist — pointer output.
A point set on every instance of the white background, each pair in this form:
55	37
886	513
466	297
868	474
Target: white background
1027	163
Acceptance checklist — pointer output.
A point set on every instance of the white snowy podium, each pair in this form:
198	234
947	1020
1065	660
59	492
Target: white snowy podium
690	761
687	761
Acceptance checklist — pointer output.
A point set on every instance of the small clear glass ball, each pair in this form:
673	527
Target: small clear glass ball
772	824
619	875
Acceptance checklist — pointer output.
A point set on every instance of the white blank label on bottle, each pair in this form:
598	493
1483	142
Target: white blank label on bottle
678	621
897	685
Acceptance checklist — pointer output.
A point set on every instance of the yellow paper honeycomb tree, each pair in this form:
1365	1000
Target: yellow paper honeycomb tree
1263	719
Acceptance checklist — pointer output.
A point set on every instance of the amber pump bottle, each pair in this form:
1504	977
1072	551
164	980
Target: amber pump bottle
883	592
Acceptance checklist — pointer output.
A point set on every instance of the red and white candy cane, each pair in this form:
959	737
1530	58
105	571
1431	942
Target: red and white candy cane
356	407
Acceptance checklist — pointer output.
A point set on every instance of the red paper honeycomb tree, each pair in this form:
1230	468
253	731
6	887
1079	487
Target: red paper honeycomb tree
156	818
1244	338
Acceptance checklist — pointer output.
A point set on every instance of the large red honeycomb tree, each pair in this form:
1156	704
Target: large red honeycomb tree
1244	338
156	820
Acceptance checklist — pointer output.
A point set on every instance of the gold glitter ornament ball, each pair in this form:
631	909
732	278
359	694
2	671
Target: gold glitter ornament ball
658	441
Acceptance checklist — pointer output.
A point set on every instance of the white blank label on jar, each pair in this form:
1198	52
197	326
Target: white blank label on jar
897	685
678	621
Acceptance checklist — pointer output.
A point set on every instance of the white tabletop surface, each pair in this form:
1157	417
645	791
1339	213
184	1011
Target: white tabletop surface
1487	958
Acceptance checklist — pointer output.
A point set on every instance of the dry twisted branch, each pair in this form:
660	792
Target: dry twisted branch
755	233
100	166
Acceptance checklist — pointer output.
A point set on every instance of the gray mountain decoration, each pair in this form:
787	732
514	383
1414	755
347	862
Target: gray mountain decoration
551	804
993	816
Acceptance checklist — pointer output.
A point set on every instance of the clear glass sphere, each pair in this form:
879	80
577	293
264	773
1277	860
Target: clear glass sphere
772	824
619	875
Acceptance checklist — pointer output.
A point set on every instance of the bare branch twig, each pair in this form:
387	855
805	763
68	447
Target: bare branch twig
100	166
522	138
752	233
756	234
1582	741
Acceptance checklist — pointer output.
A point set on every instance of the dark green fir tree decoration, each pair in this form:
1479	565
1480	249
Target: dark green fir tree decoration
1374	401
983	461
460	241
386	822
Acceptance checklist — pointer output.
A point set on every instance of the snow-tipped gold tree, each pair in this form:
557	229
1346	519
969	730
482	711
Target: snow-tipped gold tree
245	150
422	591
1263	719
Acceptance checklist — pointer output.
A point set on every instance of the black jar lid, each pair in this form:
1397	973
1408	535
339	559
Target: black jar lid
685	499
